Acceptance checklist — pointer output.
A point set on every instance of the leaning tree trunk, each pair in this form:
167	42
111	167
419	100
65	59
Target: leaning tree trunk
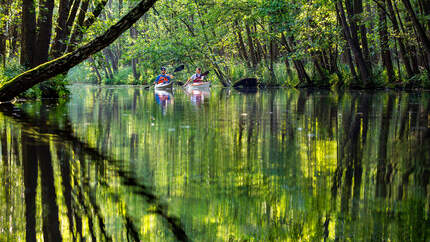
94	67
304	78
385	50
403	53
252	52
420	29
26	80
63	14
350	32
64	26
77	32
242	48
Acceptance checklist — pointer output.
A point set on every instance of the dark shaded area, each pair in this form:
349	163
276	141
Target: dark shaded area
246	83
30	183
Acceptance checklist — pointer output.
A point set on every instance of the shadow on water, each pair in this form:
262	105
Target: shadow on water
270	165
36	150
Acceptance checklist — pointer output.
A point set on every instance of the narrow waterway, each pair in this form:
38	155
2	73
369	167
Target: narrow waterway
216	165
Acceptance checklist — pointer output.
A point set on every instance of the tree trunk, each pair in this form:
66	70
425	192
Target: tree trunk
218	71
44	27
77	32
106	65
350	32
301	72
112	58
3	47
318	67
287	66
13	40
251	47
347	51
272	55
3	35
28	31
95	69
43	39
77	28
26	80
136	73
134	60
63	13
426	9
420	29
358	10
105	71
385	50
403	53
259	50
242	48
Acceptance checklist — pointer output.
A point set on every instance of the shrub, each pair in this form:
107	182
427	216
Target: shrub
10	71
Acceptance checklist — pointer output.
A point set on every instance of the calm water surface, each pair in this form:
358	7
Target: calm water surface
118	163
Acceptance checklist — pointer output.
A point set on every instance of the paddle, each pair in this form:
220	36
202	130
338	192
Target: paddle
177	69
204	74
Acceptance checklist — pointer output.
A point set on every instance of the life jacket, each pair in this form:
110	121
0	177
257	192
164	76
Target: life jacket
198	78
162	79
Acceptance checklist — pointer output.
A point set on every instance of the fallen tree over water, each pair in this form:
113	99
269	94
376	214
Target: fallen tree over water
19	84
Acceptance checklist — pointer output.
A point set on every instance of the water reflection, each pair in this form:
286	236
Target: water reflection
198	96
163	98
273	165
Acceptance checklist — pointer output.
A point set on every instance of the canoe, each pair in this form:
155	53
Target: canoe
198	86
164	85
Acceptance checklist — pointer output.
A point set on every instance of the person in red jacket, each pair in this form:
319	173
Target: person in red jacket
163	77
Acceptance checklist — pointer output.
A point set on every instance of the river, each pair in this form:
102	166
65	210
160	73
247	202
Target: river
122	162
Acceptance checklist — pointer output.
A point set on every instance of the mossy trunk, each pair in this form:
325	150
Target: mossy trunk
26	80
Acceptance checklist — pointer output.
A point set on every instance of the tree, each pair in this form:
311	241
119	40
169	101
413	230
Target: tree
385	51
319	43
28	31
21	83
349	28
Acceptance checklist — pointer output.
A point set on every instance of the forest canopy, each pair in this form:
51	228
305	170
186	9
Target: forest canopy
360	43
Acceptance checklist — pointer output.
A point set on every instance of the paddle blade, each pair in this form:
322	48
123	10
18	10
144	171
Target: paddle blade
179	68
205	73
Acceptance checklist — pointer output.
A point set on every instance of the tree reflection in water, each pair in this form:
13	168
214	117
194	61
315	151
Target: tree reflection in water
270	165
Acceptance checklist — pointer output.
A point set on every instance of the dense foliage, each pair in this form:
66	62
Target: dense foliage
364	44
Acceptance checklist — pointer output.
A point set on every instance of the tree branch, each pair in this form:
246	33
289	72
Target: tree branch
26	80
